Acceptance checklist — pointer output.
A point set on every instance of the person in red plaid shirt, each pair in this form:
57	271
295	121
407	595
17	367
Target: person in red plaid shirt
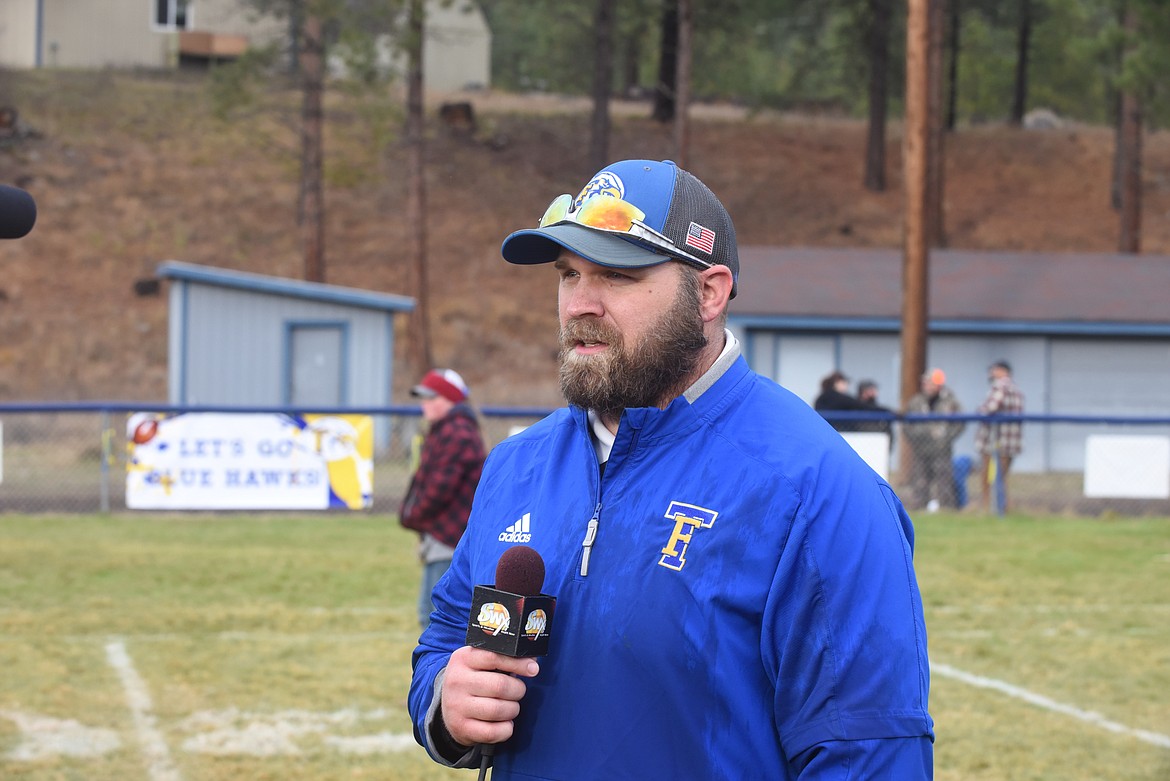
439	498
999	443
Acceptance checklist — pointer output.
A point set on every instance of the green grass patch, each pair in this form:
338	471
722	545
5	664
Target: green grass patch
278	646
1073	611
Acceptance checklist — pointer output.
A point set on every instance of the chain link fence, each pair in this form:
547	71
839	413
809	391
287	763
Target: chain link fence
74	459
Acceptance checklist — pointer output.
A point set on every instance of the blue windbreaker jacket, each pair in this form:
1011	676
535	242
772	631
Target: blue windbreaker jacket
749	609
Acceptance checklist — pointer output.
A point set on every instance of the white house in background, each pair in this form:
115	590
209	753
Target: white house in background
160	33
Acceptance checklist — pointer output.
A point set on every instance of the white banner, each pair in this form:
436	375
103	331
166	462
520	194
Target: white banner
229	461
1127	466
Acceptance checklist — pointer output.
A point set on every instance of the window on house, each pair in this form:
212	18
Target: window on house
172	14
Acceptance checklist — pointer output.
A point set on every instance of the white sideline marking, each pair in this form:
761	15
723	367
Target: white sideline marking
1135	607
44	737
232	732
159	764
1041	701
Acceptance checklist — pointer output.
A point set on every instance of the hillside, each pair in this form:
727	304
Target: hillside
130	170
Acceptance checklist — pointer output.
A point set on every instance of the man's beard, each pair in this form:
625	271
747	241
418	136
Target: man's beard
646	374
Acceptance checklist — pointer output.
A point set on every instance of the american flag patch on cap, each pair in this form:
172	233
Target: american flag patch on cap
701	238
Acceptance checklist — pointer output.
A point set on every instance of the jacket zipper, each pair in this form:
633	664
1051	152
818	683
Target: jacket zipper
590	536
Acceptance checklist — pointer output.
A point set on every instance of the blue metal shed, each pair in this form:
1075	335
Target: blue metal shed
249	339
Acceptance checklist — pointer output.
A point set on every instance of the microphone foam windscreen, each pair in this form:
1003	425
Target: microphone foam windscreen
520	571
18	212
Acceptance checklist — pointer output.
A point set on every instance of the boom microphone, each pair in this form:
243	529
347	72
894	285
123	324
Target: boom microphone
18	212
511	618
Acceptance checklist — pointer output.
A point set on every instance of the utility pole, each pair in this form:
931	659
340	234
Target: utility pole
915	257
915	239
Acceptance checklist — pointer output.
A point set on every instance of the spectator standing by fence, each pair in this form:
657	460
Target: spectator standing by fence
438	502
999	443
835	397
932	482
867	394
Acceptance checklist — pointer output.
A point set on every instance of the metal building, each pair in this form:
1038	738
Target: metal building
1086	334
237	338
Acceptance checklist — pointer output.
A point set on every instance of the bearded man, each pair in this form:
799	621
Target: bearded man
736	593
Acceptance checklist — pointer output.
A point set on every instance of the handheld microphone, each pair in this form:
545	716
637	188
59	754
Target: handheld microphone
18	212
512	618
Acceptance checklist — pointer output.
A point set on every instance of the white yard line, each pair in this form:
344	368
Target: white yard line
154	747
1099	607
1040	701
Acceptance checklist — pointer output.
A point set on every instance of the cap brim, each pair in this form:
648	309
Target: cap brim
423	392
542	245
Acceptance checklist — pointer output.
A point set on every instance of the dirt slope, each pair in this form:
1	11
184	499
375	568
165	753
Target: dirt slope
129	171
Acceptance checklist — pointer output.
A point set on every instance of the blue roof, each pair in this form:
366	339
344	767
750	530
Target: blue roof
282	286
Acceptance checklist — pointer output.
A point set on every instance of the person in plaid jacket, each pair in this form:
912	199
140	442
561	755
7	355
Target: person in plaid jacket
438	501
999	443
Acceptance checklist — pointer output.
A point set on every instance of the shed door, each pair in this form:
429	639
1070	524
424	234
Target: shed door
315	365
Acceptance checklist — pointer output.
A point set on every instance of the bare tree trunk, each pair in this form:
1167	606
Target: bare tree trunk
1118	166
295	13
1023	45
1115	105
602	83
1131	158
936	158
416	198
682	88
878	44
664	90
956	23
312	129
632	48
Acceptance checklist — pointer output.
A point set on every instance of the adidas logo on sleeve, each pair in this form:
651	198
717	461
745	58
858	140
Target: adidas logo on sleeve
520	531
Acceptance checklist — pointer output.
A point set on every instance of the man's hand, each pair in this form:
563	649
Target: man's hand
481	694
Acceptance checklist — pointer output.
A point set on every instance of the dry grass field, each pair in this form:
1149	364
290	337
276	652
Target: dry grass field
130	170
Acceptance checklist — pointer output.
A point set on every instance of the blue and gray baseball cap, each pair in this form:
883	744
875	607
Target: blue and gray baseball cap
674	203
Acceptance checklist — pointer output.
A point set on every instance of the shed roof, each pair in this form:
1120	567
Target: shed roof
281	286
969	290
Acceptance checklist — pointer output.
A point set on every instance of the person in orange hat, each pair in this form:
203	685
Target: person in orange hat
932	483
438	502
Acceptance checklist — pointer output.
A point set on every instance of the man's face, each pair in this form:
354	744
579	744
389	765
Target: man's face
629	337
435	408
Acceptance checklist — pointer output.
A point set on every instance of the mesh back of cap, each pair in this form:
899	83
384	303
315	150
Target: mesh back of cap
694	202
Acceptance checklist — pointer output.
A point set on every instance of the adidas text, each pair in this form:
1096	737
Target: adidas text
519	531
